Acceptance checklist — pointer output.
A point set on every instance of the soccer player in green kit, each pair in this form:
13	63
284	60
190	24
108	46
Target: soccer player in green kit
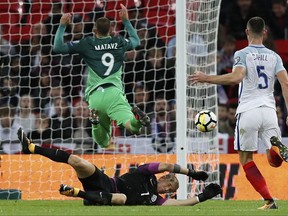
104	56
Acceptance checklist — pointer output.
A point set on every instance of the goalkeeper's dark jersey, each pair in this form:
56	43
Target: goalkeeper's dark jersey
140	187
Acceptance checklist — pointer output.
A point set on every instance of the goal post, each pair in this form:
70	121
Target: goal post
196	42
181	111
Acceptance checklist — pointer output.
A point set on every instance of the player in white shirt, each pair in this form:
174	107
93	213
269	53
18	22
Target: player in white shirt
255	70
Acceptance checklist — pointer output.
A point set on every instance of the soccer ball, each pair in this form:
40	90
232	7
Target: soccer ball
205	121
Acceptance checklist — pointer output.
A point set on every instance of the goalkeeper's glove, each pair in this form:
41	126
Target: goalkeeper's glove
200	175
209	192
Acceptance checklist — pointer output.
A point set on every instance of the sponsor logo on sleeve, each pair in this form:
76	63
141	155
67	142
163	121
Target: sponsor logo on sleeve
154	198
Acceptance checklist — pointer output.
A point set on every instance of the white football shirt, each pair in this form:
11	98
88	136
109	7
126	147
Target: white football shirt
257	87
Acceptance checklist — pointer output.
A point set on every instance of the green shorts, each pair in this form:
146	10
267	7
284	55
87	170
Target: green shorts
111	104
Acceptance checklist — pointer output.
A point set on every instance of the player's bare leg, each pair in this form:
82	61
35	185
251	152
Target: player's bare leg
82	167
101	198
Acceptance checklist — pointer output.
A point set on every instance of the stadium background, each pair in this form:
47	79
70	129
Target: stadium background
35	81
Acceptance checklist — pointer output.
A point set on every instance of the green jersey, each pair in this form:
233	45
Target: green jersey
103	56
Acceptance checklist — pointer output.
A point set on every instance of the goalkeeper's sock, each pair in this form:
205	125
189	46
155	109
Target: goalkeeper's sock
201	197
102	198
54	154
76	192
257	180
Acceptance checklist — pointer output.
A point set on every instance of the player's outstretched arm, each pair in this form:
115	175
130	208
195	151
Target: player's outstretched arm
133	37
175	168
59	46
233	78
154	168
209	192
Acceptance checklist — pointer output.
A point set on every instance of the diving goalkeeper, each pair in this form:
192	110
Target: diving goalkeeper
104	56
139	187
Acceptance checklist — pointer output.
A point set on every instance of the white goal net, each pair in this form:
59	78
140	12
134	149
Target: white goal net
43	92
201	45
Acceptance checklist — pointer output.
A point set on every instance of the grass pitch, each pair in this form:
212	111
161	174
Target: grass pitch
211	207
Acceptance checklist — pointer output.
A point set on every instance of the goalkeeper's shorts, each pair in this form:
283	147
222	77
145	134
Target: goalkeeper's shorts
98	181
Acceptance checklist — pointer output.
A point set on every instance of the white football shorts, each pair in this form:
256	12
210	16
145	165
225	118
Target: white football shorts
260	122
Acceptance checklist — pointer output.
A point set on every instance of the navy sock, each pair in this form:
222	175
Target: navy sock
54	154
100	198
